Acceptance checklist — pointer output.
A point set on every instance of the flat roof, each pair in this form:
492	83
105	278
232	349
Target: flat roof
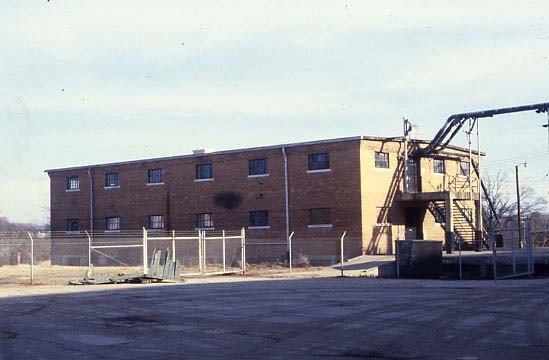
258	148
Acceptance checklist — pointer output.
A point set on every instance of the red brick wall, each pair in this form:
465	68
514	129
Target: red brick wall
134	201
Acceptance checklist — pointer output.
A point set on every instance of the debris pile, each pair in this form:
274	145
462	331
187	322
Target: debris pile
159	271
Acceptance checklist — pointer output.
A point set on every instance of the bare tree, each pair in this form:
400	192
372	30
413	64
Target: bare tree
504	203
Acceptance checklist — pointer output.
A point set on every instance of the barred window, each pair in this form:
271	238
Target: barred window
156	222
73	183
320	216
72	225
319	161
204	221
382	160
204	171
155	176
258	167
439	166
464	168
112	223
111	180
259	218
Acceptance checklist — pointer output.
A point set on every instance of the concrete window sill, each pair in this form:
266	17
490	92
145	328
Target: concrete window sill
72	190
155	184
259	227
207	229
319	171
203	180
320	226
112	187
257	176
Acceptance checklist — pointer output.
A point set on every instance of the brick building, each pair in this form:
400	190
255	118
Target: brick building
317	189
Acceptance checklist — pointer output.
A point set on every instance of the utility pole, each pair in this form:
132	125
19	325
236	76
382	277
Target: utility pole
518	204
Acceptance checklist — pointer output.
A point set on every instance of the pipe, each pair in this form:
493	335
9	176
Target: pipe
287	200
91	200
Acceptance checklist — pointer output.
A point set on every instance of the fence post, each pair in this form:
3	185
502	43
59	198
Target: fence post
397	255
290	251
460	239
32	258
224	263
145	252
89	249
243	249
204	256
342	252
200	251
494	254
173	245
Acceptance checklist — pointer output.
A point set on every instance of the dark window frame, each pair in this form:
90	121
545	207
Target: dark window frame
205	221
464	168
71	225
73	183
112	179
204	171
318	161
314	216
259	218
437	169
381	160
155	176
254	167
108	225
156	222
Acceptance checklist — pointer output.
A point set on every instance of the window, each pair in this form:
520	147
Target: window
320	216
111	180
438	166
156	222
259	218
204	221
155	176
463	168
258	167
112	223
72	225
319	162
204	172
73	183
382	160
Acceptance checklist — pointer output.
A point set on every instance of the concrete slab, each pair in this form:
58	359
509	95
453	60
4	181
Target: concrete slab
280	319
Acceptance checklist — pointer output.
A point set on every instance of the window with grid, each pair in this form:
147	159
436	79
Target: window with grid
156	222
112	223
464	168
259	218
155	176
204	171
320	216
73	183
319	161
72	225
439	166
204	221
382	160
111	180
258	167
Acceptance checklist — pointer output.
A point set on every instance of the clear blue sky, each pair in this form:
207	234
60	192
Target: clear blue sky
86	82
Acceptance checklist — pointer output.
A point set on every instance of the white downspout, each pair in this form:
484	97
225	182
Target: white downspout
287	198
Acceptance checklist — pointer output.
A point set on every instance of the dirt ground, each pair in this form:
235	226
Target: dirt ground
238	317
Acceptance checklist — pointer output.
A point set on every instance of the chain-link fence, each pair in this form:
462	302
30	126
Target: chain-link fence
514	252
58	257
